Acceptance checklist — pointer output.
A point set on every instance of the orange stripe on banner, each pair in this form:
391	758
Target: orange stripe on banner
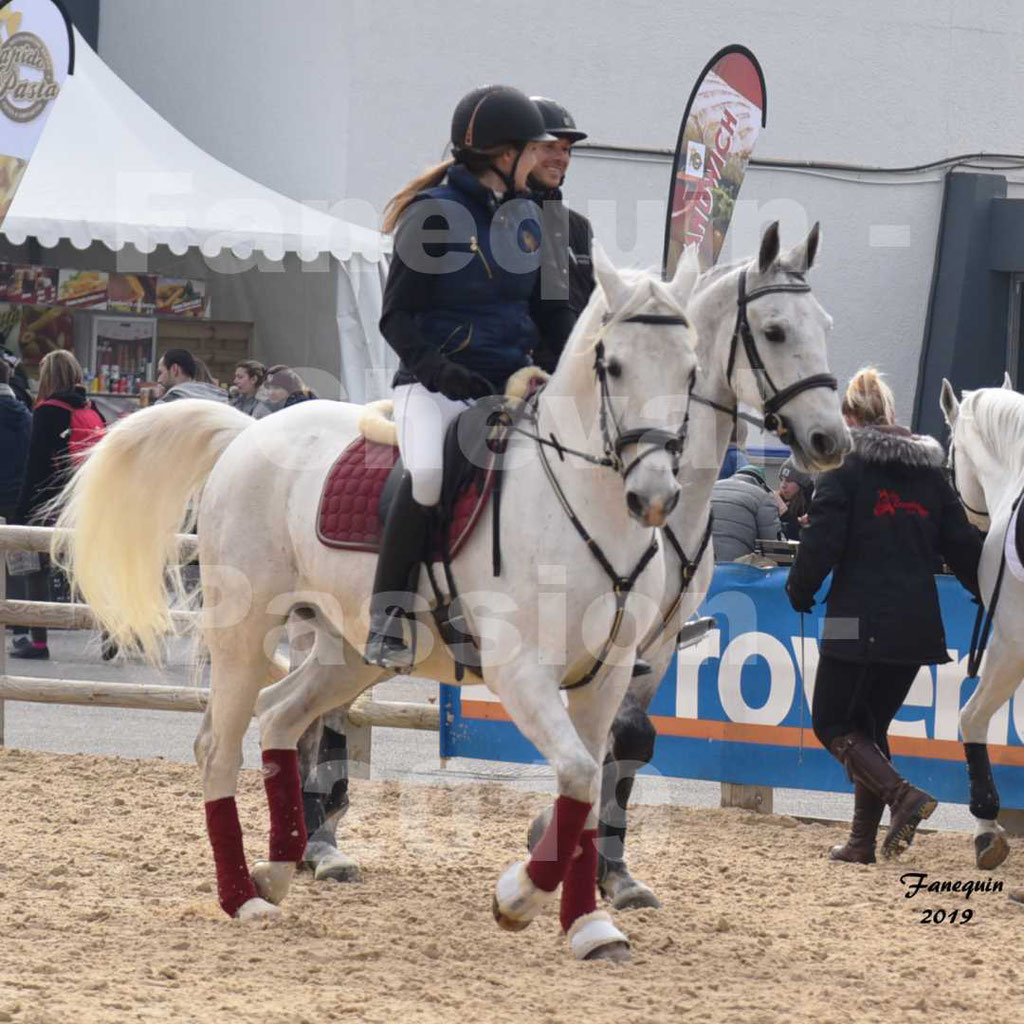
778	735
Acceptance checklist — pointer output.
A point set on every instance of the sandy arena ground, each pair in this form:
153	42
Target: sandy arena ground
107	913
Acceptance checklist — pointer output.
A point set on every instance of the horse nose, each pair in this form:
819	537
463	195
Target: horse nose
823	444
651	512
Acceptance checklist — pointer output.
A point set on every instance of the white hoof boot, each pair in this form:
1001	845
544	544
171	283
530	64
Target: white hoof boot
517	901
257	910
273	879
594	937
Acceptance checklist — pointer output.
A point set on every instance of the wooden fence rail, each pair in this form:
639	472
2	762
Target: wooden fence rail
362	715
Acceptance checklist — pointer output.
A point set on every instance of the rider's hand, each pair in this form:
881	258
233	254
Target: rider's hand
458	382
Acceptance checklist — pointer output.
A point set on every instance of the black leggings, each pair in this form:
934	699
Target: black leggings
852	696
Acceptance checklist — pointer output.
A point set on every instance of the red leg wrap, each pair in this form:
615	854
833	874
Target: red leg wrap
579	887
284	794
234	886
550	859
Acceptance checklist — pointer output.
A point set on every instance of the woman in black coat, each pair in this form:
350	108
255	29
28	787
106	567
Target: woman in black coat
883	522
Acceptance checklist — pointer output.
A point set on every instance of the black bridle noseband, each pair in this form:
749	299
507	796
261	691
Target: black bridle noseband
773	398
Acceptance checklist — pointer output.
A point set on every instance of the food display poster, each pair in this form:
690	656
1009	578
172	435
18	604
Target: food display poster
181	296
724	116
36	56
142	294
38	331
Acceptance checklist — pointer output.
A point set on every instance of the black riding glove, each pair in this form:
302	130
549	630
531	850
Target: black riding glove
457	382
798	601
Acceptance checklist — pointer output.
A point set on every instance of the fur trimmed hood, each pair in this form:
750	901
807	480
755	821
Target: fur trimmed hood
897	444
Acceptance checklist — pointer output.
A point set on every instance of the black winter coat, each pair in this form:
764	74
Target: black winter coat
48	458
15	431
883	522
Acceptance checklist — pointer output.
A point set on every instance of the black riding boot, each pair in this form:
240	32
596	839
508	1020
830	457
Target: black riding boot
394	586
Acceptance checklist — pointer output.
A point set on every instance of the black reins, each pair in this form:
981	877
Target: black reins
773	398
614	445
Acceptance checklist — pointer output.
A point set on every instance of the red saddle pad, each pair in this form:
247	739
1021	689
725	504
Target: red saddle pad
348	517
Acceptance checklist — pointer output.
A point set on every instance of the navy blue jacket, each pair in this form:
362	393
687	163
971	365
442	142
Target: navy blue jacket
470	292
15	431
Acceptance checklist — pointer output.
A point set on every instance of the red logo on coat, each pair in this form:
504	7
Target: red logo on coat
889	503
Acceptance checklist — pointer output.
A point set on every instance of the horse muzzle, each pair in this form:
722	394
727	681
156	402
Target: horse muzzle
653	511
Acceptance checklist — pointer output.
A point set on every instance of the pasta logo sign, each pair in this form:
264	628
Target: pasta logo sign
27	80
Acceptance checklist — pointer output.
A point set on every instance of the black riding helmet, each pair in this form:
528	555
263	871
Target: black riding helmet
493	116
557	120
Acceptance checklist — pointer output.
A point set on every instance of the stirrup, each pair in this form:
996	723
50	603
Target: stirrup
386	649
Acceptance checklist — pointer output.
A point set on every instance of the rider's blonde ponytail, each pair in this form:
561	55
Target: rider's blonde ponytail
869	400
401	199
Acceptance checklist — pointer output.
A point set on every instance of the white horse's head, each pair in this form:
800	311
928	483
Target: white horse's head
986	439
769	346
635	352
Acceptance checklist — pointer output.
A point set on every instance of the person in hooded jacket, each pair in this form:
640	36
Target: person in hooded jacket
743	511
462	309
882	524
56	442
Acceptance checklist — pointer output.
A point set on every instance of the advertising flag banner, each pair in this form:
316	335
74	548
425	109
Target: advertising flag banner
36	56
725	113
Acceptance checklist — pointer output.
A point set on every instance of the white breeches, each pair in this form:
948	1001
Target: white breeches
422	419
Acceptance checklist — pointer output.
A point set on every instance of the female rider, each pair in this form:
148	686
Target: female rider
462	309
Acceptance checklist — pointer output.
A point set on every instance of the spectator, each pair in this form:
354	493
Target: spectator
18	381
283	388
743	511
178	373
249	378
879	523
796	488
15	432
64	424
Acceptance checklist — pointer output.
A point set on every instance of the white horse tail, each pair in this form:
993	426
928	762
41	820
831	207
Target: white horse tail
123	507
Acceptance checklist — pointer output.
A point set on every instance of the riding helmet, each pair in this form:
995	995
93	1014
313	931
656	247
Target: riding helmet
557	120
495	115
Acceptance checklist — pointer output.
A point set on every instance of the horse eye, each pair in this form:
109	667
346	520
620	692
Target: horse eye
614	368
774	333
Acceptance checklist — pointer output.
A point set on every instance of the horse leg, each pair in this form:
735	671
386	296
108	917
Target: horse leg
323	768
219	753
532	700
331	676
323	760
591	932
631	747
999	680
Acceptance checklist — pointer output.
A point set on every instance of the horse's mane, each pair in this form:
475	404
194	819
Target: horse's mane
998	417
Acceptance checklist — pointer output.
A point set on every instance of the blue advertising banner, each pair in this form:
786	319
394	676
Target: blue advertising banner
736	707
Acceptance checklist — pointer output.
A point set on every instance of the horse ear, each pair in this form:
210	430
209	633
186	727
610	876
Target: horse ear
1007	382
800	258
685	277
769	247
616	291
950	406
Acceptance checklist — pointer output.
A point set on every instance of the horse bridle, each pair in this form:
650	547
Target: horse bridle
660	440
953	483
773	398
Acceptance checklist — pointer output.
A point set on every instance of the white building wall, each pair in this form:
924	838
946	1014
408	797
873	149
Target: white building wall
342	101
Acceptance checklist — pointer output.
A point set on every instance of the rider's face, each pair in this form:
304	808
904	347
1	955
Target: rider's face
552	162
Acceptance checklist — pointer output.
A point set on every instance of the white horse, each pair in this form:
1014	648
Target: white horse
986	459
780	367
619	397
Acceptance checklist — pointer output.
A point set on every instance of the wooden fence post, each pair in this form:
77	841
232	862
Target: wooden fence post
750	798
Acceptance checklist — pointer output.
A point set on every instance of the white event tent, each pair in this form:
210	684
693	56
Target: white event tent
114	186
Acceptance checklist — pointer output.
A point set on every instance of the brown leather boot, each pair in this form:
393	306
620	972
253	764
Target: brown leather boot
908	805
867	813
